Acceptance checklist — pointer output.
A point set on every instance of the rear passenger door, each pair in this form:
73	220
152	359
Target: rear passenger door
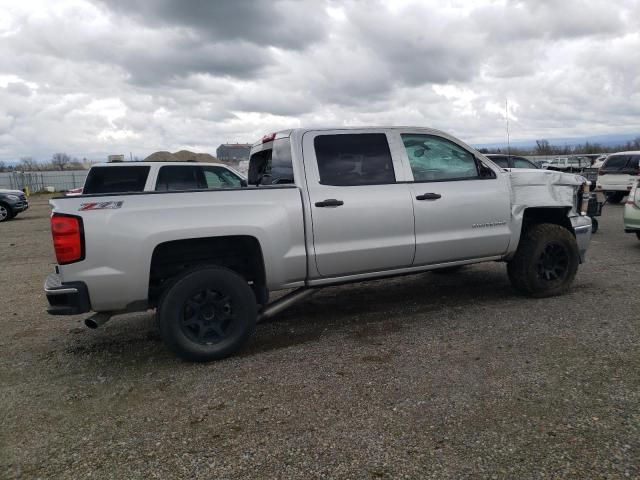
462	208
362	220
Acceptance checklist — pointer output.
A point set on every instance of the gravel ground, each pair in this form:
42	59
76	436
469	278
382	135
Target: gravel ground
426	376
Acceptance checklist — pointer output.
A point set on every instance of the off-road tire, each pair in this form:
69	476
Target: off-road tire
529	268
225	326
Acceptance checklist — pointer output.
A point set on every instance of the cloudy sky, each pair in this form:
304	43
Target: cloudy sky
91	77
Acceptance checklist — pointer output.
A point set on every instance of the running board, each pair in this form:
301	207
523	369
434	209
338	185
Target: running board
285	302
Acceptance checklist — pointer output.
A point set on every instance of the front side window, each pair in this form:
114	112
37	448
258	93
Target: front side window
178	177
220	177
438	159
354	159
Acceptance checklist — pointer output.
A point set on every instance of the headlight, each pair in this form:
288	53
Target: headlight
13	197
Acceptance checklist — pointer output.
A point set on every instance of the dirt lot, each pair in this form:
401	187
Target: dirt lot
427	376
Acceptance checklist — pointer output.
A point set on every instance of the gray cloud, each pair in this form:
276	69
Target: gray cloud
95	77
286	24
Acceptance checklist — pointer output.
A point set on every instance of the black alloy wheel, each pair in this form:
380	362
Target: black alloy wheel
553	263
207	317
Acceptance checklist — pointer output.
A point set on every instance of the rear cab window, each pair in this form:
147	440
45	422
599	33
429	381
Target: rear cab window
116	179
622	162
272	165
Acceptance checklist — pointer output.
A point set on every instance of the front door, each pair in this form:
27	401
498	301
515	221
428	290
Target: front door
462	208
362	220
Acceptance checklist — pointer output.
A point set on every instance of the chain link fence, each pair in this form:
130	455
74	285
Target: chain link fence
42	181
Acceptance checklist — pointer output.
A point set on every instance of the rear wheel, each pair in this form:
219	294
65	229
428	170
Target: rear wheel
638	235
615	197
545	262
207	314
5	212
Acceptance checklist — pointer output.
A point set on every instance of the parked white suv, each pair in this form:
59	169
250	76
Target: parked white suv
125	177
618	174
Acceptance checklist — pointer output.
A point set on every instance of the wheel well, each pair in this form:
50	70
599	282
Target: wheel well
240	253
555	215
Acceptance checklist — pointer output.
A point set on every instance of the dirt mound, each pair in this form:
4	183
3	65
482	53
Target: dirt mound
180	156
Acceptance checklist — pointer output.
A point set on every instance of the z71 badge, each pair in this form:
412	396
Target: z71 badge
100	206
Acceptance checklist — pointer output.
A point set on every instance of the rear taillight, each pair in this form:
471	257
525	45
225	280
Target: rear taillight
68	238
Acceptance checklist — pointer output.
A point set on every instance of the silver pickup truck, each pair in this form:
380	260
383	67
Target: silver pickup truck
323	207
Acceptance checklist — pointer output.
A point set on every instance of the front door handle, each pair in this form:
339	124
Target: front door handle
429	196
330	202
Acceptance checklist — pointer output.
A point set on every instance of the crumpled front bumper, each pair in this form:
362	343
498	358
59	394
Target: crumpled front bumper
582	229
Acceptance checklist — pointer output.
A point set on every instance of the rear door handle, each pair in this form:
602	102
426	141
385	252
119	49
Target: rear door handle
330	202
429	196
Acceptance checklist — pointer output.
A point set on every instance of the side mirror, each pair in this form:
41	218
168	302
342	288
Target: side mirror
485	172
243	183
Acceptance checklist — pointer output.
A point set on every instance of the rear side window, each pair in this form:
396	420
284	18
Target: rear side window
438	159
522	163
500	161
615	162
354	159
178	177
116	179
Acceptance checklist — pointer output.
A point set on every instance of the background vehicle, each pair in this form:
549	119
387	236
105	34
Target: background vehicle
632	211
572	164
346	207
510	161
12	202
618	174
159	176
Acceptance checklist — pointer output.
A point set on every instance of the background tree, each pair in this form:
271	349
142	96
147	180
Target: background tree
60	160
543	147
29	164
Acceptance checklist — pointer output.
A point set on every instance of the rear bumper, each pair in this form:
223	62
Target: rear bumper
582	228
68	298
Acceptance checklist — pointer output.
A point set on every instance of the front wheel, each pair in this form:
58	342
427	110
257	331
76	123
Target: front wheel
5	212
545	262
207	314
594	224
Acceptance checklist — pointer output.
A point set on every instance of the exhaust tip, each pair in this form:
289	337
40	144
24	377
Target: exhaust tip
91	323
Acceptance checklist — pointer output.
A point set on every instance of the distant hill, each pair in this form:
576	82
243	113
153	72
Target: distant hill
604	140
180	156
